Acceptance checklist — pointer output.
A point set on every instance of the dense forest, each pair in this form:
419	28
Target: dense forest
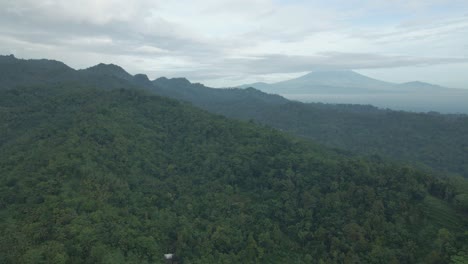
123	176
96	168
437	141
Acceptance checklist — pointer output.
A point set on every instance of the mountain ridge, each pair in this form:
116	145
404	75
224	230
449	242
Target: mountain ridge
361	129
108	69
349	87
316	81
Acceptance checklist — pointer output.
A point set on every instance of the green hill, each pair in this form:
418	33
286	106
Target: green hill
429	140
122	176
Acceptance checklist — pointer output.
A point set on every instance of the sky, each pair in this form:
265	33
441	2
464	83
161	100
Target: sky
224	43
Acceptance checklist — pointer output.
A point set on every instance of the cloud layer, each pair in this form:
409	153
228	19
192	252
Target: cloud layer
228	42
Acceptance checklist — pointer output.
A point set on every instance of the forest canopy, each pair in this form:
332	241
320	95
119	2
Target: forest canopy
123	176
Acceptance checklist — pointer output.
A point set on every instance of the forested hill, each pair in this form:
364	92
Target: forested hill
433	140
430	139
121	176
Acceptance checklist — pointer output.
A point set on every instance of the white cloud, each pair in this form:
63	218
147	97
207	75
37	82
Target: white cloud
238	39
150	50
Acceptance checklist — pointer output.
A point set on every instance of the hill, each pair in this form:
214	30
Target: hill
14	72
424	139
122	176
25	73
430	139
108	70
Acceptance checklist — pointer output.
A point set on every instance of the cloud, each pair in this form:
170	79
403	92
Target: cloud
417	29
84	11
237	39
279	63
277	67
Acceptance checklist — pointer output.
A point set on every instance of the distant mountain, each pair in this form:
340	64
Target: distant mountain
337	81
340	81
349	87
421	86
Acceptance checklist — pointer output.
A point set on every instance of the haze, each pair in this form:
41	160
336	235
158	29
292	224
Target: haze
231	42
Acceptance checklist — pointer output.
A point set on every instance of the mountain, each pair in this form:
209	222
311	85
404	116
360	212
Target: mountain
15	72
109	70
338	81
432	140
348	87
111	175
422	86
19	72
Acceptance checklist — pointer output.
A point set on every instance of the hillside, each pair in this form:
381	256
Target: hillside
122	176
25	73
430	139
433	140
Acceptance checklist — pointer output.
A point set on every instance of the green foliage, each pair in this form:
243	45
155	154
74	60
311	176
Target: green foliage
121	176
429	140
432	140
442	213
